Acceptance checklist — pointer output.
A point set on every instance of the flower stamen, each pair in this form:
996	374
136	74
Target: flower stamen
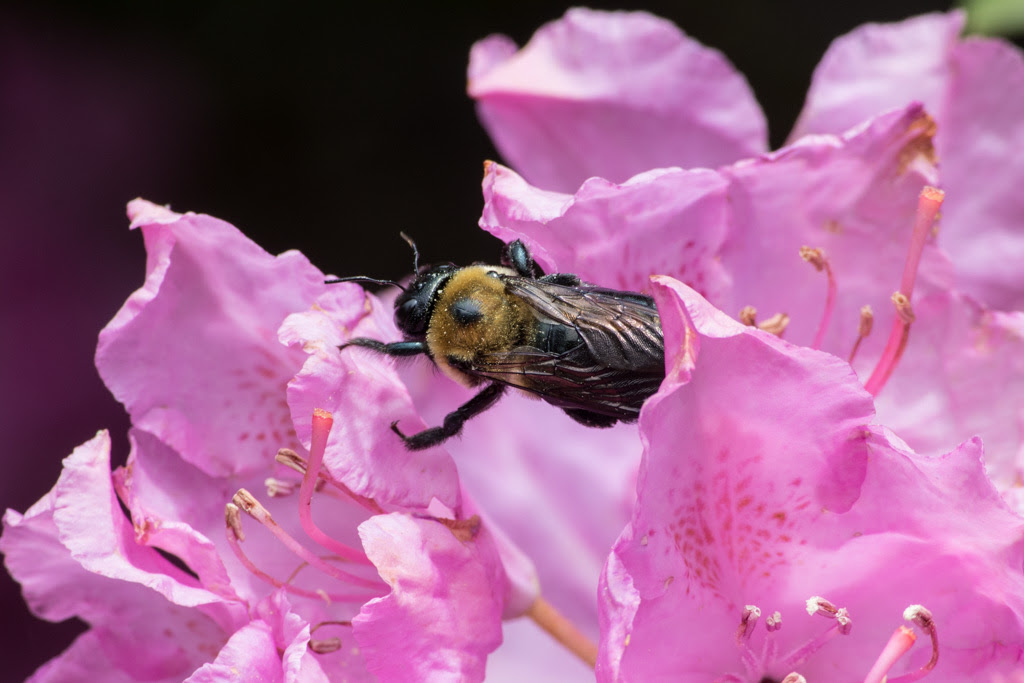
842	626
252	507
751	613
748	316
293	460
900	643
816	257
323	646
234	534
776	324
867	322
279	488
927	209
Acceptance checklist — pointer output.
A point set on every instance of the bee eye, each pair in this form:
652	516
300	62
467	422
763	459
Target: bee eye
410	319
467	311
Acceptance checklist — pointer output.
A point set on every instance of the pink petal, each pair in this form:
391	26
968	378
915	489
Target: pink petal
877	67
611	94
251	650
975	90
979	137
91	526
578	480
199	340
85	660
855	197
272	647
445	606
762	484
178	508
362	389
74	556
668	221
735	234
962	374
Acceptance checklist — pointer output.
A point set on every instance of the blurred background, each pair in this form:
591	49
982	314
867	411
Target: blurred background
311	126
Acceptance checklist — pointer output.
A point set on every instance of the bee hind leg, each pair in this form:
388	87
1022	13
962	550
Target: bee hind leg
589	418
453	421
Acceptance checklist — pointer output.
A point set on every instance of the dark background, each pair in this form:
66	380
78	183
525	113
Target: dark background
313	126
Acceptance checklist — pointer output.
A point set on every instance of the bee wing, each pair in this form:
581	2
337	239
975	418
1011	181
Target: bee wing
620	363
622	330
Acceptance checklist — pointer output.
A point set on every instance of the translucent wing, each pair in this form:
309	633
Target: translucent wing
597	350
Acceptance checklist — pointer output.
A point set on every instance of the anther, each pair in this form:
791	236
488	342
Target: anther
233	519
794	678
867	321
776	324
902	303
900	642
748	620
821	606
748	316
463	529
279	488
290	458
773	622
325	646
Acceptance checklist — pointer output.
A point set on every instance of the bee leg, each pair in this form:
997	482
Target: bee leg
402	348
566	279
453	421
517	256
590	419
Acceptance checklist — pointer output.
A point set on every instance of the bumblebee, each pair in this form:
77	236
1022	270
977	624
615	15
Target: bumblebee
594	352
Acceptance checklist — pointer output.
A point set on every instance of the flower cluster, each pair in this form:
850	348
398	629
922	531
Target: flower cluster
839	434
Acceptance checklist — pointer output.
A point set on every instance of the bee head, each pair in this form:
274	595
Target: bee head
414	306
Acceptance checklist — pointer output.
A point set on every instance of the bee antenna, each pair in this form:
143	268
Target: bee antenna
363	278
415	252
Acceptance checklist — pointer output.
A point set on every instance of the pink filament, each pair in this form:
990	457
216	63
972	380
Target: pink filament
927	209
322	421
259	573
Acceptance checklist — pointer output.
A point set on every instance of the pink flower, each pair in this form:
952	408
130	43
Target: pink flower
195	357
765	485
732	230
588	113
766	477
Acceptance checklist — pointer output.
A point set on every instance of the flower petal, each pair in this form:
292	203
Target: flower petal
962	374
975	90
364	390
763	484
194	354
877	67
445	606
74	555
611	94
735	234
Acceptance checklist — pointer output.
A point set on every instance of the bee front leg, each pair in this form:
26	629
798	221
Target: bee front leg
402	348
453	421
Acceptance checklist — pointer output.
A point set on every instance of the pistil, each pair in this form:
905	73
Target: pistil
928	206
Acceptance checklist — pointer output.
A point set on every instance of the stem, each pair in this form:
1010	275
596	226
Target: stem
563	630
